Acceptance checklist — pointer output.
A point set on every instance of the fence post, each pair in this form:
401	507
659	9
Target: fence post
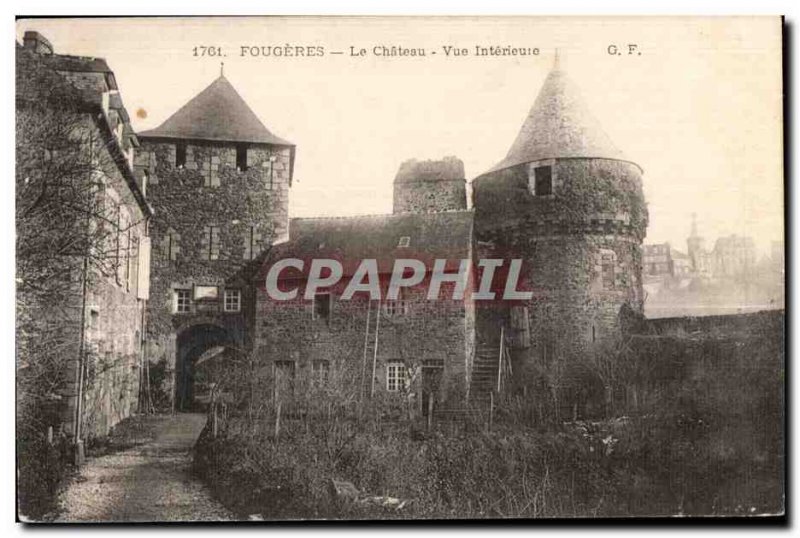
491	410
430	412
278	420
214	420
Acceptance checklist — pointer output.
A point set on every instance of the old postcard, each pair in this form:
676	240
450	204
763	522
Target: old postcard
399	268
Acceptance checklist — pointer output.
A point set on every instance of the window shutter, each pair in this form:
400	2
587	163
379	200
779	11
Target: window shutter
143	272
118	246
128	256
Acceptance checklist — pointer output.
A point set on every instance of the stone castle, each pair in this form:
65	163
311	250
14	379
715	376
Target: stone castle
565	200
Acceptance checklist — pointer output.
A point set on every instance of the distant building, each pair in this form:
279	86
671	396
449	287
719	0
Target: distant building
657	260
681	263
732	256
661	260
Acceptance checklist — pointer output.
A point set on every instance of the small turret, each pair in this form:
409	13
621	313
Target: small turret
429	186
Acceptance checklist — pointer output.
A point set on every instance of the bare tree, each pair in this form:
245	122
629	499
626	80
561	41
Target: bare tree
66	239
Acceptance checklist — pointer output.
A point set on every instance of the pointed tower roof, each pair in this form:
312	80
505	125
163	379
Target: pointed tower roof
218	113
559	125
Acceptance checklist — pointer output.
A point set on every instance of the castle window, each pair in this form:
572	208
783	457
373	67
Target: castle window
211	242
272	159
233	300
180	154
543	180
322	306
252	243
241	157
396	307
405	241
170	245
608	262
395	376
320	372
183	301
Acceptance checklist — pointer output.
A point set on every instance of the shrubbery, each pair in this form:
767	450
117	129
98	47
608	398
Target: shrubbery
703	435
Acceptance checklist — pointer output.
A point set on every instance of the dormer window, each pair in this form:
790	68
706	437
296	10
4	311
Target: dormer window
405	241
543	181
180	154
241	157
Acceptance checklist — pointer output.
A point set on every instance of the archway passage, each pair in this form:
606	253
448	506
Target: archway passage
191	387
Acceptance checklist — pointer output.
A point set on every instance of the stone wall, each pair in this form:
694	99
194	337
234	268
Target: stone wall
425	333
113	313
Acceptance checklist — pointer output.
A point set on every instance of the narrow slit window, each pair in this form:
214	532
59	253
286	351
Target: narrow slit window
543	180
322	306
241	157
180	154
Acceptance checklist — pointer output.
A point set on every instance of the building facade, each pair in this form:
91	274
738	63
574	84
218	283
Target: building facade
108	276
565	201
219	182
410	350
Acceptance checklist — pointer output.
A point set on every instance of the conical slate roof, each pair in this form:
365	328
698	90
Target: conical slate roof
218	113
559	125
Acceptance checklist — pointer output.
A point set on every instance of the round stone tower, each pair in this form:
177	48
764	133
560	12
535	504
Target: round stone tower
429	186
569	204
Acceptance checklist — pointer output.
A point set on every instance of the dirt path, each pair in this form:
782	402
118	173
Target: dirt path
150	482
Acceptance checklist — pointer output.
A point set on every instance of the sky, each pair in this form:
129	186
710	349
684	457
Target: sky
700	109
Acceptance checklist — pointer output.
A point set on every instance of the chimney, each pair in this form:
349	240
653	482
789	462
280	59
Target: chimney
37	43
